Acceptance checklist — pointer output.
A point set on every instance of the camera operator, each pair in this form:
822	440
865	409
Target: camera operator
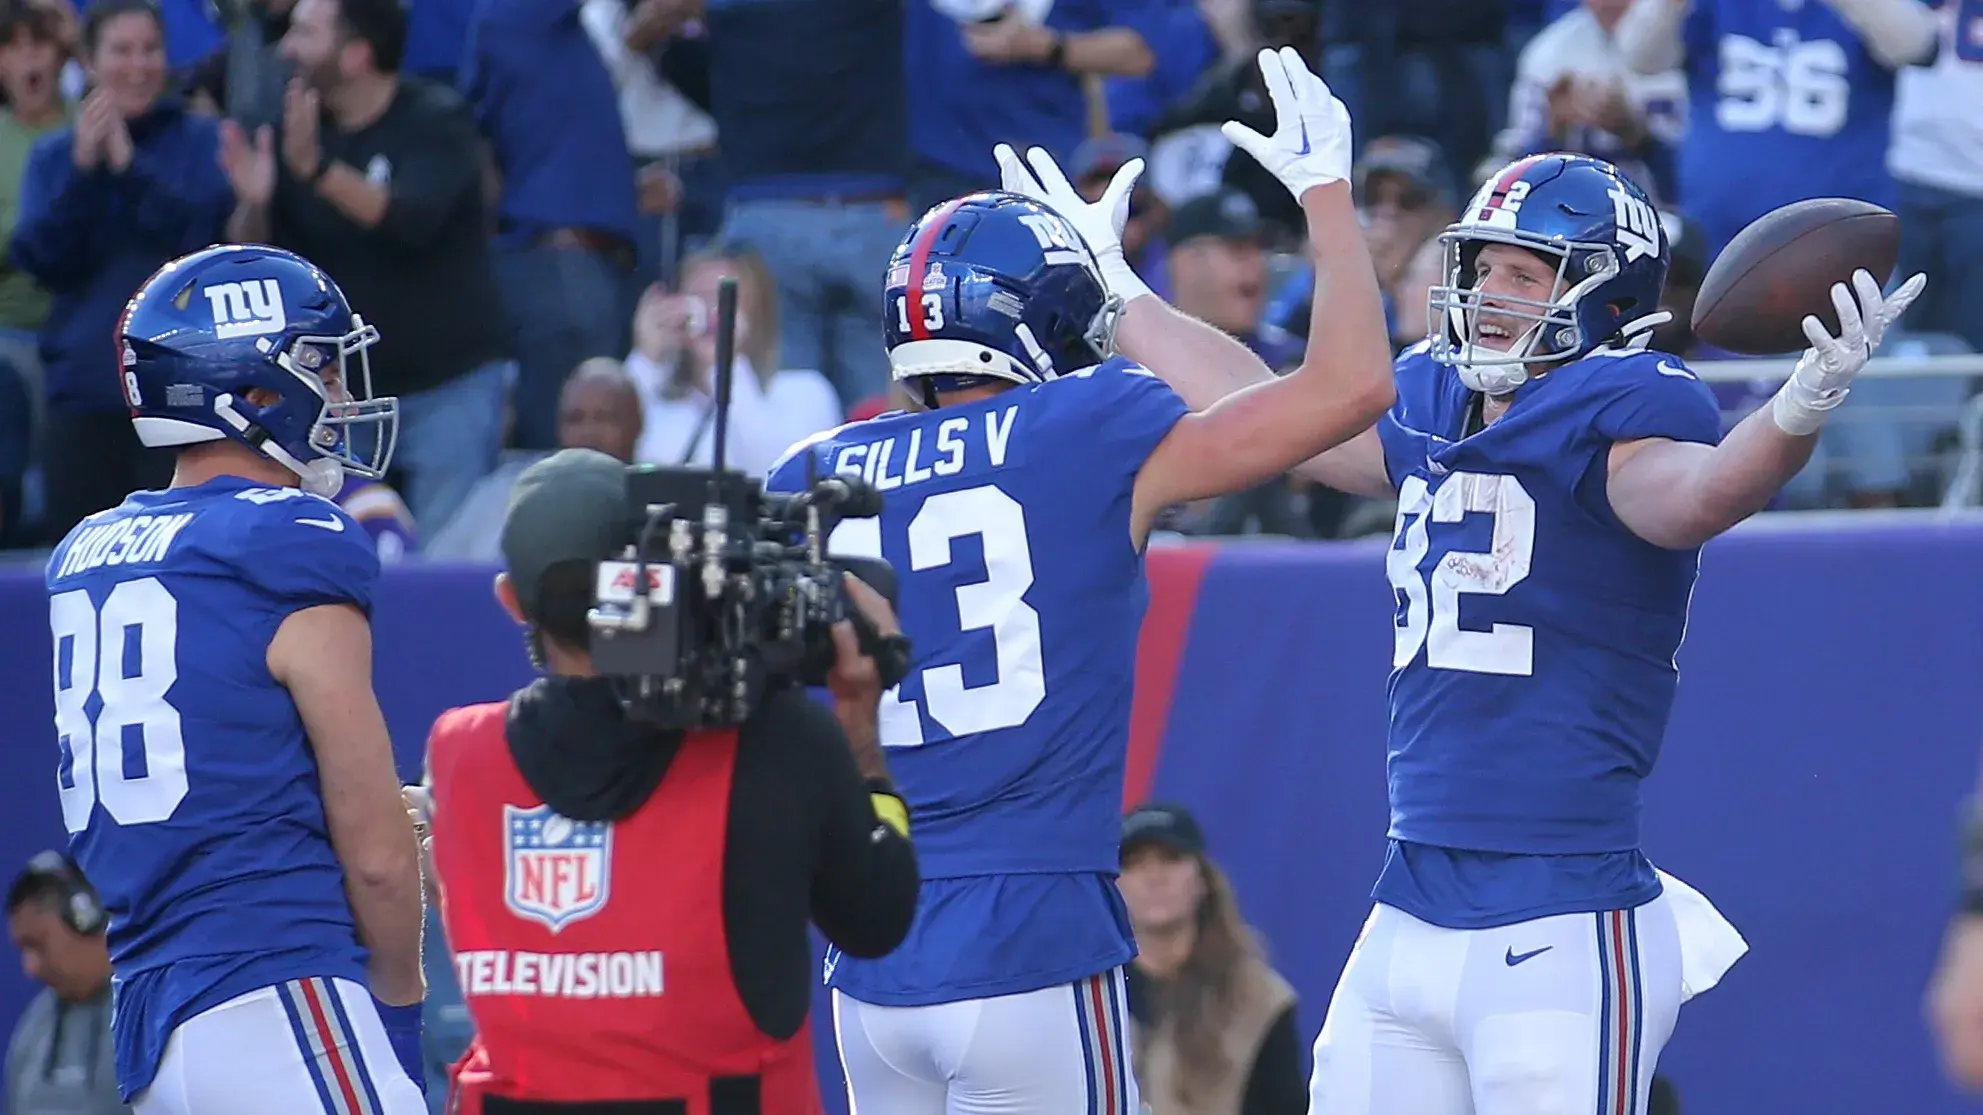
627	906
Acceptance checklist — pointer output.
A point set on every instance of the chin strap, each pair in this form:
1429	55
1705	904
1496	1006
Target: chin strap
320	476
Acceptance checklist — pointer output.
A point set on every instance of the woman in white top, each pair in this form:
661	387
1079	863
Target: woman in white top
673	364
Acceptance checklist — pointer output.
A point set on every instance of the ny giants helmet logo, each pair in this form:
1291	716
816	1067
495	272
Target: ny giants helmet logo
1059	240
246	309
555	870
1638	225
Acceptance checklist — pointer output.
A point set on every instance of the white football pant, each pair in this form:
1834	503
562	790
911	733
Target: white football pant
1562	1015
304	1047
1056	1051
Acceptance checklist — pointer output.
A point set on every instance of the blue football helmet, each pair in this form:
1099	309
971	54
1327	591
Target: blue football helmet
208	329
994	287
1610	251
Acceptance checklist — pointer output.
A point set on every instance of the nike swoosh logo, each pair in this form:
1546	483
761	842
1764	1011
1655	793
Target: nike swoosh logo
1666	369
1515	958
1304	138
335	526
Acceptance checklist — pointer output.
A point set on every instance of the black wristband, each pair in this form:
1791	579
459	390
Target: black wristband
1057	53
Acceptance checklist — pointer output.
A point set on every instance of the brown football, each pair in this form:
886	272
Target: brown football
1754	298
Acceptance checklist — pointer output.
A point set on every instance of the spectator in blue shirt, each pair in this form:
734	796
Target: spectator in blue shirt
191	28
987	72
1185	42
134	183
812	120
566	221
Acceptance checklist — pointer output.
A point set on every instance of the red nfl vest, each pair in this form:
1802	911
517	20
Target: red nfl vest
593	955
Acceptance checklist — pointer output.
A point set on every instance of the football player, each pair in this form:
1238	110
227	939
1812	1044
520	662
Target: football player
1016	503
225	773
1555	481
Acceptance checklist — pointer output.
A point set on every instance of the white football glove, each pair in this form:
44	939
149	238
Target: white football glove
1311	141
1099	223
1824	373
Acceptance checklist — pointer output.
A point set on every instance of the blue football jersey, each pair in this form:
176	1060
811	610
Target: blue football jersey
188	786
1787	105
1534	662
1008	521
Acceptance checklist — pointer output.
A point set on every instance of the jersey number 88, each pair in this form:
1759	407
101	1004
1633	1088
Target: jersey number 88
126	654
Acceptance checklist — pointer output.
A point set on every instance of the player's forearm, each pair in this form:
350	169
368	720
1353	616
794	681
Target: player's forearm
1896	32
1356	466
1648	35
1750	466
386	904
1348	357
1201	363
248	224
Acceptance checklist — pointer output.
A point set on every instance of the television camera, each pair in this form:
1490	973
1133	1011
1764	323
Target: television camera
724	592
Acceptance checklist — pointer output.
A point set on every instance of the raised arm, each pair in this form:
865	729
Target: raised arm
1680	494
1254	425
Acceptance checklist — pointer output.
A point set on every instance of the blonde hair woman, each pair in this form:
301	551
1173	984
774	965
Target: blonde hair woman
1214	1026
673	363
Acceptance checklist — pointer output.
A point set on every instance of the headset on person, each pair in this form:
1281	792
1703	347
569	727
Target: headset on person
80	909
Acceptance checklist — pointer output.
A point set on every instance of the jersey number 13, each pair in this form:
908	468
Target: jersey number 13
993	604
126	653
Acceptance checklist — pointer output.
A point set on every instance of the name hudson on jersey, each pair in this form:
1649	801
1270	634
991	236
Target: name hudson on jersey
138	540
560	975
871	462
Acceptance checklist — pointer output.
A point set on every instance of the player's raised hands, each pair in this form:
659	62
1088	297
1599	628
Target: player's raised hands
1311	141
1099	222
1827	368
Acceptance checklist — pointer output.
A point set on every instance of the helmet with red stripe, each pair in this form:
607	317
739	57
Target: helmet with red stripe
1593	226
994	288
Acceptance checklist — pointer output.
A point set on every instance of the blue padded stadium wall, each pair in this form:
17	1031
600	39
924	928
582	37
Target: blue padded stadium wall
1827	726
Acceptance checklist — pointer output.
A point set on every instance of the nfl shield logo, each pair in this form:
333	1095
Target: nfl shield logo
556	870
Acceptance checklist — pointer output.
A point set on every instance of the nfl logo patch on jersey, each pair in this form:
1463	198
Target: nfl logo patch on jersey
556	870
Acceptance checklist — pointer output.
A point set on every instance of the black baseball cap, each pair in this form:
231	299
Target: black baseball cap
1227	214
1163	823
570	506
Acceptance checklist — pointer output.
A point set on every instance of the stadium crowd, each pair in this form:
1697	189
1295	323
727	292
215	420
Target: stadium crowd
534	200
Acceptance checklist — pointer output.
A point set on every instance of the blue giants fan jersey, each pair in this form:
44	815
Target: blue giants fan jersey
1787	105
1008	521
1534	659
188	786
